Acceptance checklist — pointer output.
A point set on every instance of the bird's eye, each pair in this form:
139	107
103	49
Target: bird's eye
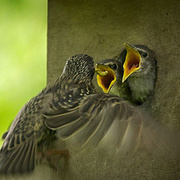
144	54
113	66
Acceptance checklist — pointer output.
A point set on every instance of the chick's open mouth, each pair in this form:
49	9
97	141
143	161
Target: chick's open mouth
132	61
105	77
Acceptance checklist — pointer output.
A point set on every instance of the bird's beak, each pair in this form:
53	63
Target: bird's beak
132	61
105	77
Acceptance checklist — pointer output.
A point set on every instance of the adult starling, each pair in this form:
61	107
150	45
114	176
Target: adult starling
130	75
72	107
28	133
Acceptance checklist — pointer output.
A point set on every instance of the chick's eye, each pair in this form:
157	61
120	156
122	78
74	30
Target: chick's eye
144	54
113	66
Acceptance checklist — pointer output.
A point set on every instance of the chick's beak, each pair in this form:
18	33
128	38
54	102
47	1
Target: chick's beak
105	77
132	61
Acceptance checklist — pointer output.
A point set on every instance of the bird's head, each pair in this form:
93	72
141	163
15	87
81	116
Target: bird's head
108	72
79	68
138	58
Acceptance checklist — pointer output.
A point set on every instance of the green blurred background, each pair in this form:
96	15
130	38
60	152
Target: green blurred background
23	41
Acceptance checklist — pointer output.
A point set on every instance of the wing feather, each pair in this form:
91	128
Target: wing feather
92	119
20	159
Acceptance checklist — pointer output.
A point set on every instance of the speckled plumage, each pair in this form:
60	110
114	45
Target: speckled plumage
28	131
70	107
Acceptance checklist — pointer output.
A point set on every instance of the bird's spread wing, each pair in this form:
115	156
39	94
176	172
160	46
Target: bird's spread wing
93	118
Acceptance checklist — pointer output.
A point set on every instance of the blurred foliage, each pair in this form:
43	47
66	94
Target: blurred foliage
22	55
